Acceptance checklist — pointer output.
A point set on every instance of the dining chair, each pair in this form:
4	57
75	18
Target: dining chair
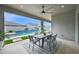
54	41
48	40
51	40
33	40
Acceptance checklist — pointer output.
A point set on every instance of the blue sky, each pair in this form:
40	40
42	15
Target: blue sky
22	20
19	19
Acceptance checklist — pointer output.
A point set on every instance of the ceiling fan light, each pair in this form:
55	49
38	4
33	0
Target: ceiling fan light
43	12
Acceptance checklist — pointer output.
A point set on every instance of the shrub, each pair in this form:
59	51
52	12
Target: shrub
10	31
8	42
1	33
24	37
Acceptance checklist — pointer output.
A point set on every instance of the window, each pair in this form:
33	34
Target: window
21	25
47	26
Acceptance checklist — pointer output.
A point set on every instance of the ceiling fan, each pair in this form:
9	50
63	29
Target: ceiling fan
44	12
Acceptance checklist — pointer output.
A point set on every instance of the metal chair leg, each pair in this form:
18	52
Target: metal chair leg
33	47
54	44
50	46
29	45
47	43
39	43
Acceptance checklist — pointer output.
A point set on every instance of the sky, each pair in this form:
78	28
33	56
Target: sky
22	20
19	19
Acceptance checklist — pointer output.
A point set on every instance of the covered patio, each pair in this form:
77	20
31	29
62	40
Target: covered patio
61	38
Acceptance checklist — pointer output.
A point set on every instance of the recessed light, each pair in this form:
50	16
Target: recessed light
62	6
21	6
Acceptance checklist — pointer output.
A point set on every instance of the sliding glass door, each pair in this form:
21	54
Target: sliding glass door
23	25
17	25
47	26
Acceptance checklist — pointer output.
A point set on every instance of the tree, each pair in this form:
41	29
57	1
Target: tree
10	31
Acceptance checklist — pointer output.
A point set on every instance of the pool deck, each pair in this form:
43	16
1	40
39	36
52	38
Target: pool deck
14	48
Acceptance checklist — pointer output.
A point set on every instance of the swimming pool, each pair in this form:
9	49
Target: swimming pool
22	33
27	32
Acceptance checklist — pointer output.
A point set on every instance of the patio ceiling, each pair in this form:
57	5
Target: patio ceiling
35	9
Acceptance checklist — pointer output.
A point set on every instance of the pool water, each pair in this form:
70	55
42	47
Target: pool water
22	33
27	32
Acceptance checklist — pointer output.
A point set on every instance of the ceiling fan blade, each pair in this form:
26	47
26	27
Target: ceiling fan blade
49	8
49	12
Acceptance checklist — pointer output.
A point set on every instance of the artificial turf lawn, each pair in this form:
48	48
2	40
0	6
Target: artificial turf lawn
11	41
24	37
8	42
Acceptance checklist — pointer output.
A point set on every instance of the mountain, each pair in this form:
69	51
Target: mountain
11	23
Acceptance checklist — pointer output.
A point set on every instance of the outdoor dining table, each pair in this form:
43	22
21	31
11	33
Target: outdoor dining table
41	37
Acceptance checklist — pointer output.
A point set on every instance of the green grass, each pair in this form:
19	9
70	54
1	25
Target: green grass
24	37
8	42
11	41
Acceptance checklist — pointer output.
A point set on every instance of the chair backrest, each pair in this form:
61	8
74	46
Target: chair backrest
30	38
49	36
54	37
